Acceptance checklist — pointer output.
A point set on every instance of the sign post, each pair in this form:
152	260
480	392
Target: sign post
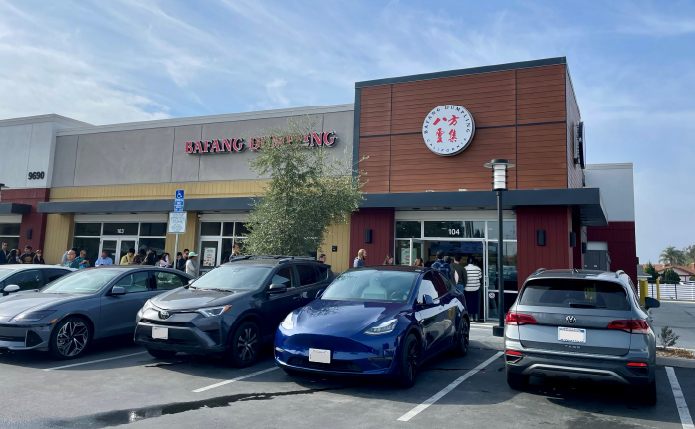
177	220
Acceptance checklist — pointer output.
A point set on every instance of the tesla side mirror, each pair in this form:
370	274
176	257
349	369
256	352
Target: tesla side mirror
118	290
277	288
426	301
10	289
649	302
319	293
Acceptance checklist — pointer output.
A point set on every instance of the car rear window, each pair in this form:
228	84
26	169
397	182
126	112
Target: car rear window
573	293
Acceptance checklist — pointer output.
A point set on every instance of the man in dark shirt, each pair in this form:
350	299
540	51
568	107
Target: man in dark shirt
3	254
28	256
459	274
441	265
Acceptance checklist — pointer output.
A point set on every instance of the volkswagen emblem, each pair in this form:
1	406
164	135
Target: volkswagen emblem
569	319
164	315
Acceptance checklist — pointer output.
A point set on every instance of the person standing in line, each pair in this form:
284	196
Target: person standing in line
38	259
472	289
359	260
4	253
191	265
418	262
103	260
137	260
388	260
128	258
28	256
164	260
459	273
322	258
72	261
12	257
180	262
84	262
235	252
64	259
440	265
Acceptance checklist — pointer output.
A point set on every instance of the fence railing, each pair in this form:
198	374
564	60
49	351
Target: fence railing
671	291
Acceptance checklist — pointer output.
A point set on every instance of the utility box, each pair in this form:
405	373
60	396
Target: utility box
597	260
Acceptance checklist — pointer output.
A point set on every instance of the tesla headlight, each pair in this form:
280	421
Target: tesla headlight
213	311
33	316
382	328
288	323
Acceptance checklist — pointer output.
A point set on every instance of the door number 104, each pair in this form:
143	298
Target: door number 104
454	232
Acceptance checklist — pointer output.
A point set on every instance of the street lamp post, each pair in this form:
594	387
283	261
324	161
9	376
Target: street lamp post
499	184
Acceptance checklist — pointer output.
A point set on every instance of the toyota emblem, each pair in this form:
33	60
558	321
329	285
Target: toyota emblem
163	314
569	319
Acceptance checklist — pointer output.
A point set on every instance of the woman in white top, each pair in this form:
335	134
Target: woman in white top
474	275
191	264
164	261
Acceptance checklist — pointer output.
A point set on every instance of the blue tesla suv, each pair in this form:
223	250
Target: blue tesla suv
382	321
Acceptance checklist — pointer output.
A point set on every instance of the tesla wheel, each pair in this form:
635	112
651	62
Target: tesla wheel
245	345
464	334
646	395
161	354
70	338
410	361
517	381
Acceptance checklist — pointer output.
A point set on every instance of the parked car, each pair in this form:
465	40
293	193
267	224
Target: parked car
231	310
69	313
26	277
381	321
582	325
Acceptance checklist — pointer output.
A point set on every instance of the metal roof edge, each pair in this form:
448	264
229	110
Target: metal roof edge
51	117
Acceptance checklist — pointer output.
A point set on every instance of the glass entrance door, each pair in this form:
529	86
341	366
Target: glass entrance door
209	254
508	275
117	248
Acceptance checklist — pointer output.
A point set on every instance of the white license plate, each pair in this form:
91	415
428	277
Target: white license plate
319	355
571	335
160	333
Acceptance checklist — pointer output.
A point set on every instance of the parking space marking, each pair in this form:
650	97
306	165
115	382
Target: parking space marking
437	396
222	383
93	361
683	412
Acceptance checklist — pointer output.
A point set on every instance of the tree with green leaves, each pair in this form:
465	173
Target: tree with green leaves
652	272
672	256
670	277
310	188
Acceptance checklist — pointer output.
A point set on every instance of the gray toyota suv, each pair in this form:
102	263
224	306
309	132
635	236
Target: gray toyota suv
581	325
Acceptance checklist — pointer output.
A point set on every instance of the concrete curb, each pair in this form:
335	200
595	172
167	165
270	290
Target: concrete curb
677	362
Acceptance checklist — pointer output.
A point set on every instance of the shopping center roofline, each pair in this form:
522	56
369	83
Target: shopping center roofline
586	202
210	119
26	120
463	72
14	208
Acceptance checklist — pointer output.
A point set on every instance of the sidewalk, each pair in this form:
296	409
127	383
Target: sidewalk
679	316
481	336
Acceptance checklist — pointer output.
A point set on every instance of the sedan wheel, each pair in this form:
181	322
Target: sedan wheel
70	338
464	333
245	346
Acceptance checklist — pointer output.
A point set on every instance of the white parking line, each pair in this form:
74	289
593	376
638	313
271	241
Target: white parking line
222	383
437	396
93	361
683	412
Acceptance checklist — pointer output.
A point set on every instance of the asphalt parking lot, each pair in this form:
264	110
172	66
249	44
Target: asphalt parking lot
121	384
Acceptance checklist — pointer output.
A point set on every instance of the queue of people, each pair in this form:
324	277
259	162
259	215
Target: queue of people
12	256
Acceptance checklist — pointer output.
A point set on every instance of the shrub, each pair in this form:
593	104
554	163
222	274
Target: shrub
667	337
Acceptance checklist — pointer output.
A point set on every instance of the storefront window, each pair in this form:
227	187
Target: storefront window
408	229
87	230
156	244
455	229
9	233
241	230
210	228
228	229
120	228
508	231
509	267
158	229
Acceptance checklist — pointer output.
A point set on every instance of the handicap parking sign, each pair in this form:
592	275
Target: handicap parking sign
178	201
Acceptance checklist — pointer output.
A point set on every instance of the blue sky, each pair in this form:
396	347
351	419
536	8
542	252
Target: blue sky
632	65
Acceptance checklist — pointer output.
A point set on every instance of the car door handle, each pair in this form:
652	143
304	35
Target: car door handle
297	297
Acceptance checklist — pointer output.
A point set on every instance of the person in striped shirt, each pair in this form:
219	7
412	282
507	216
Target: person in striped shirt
472	290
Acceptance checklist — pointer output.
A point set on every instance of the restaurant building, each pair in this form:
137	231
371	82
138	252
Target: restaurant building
421	141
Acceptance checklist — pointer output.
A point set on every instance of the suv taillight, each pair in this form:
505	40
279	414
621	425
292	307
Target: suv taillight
630	326
519	319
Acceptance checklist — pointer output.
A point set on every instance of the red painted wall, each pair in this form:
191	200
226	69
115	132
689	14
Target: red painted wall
34	220
557	253
381	222
577	255
622	245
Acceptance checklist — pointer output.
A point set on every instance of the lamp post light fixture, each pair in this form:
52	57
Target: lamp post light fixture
499	183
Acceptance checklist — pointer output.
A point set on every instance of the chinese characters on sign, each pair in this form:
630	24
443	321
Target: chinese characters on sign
327	139
448	130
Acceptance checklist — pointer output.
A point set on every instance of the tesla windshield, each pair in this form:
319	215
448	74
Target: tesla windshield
82	282
235	277
371	285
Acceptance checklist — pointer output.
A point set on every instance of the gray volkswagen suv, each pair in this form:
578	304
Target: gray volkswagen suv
581	325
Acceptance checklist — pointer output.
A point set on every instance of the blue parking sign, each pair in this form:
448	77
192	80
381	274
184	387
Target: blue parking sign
178	201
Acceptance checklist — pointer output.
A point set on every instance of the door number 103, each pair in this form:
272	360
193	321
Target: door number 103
37	175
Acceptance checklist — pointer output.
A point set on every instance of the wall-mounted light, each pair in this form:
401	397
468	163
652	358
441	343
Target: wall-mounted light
540	237
367	235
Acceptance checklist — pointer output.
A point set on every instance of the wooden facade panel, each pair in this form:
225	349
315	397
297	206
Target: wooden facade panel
376	165
376	116
541	95
541	162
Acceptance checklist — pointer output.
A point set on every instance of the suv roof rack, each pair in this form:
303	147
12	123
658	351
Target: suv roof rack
618	273
538	271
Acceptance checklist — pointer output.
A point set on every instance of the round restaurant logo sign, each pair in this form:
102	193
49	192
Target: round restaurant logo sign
448	130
